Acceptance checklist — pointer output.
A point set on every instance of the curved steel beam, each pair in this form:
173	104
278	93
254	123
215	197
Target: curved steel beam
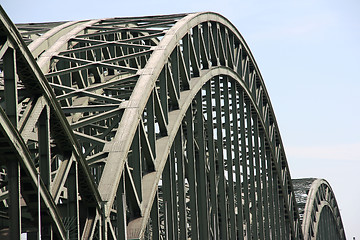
163	146
37	81
118	148
36	85
162	113
141	93
22	154
321	214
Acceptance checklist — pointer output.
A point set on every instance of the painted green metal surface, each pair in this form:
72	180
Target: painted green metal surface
156	127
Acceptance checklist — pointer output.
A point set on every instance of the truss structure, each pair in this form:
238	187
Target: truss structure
156	127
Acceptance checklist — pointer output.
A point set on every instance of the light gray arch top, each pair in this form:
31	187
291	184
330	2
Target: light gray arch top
164	144
37	83
131	123
120	145
320	195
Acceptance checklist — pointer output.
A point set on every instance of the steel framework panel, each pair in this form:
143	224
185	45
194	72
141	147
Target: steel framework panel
160	128
319	212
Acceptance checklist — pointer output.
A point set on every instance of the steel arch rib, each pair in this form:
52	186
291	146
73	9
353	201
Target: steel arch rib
139	98
47	92
148	106
41	44
322	197
136	104
165	143
37	85
25	159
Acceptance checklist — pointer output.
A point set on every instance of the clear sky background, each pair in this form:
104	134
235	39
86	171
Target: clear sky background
308	53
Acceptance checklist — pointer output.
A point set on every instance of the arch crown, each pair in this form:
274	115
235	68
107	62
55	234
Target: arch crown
160	128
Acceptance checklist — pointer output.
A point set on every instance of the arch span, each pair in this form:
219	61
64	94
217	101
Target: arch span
162	129
318	209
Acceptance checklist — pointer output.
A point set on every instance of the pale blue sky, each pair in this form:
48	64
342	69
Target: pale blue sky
308	54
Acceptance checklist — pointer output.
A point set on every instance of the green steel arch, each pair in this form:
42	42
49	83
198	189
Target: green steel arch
318	209
160	128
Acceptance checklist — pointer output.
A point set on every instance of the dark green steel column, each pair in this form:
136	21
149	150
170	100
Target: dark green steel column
259	198
264	180
121	209
223	212
275	193
150	117
174	193
163	94
270	180
190	153
244	165
201	170
45	161
186	53
229	160
136	162
211	155
13	167
10	85
168	197
249	134
238	190
73	202
44	147
154	216
179	151
174	57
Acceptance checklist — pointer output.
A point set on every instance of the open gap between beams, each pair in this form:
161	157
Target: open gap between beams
102	43
122	30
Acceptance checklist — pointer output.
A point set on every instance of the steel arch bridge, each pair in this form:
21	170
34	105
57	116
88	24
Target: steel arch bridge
156	127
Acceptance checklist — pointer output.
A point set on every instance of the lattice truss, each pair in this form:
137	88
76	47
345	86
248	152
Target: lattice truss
154	127
318	209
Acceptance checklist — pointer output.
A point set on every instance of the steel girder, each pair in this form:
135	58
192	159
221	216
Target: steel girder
161	128
30	112
319	212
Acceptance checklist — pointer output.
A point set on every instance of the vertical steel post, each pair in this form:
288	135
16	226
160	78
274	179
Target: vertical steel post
238	190
272	209
123	198
212	162
154	215
163	93
179	154
45	156
103	222
135	161
44	147
174	206
10	85
190	151
249	132
13	166
229	159
223	213
73	200
166	220
39	207
121	209
202	181
168	189
264	186
150	115
258	179
244	166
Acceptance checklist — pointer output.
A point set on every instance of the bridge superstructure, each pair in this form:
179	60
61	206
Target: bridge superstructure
155	127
